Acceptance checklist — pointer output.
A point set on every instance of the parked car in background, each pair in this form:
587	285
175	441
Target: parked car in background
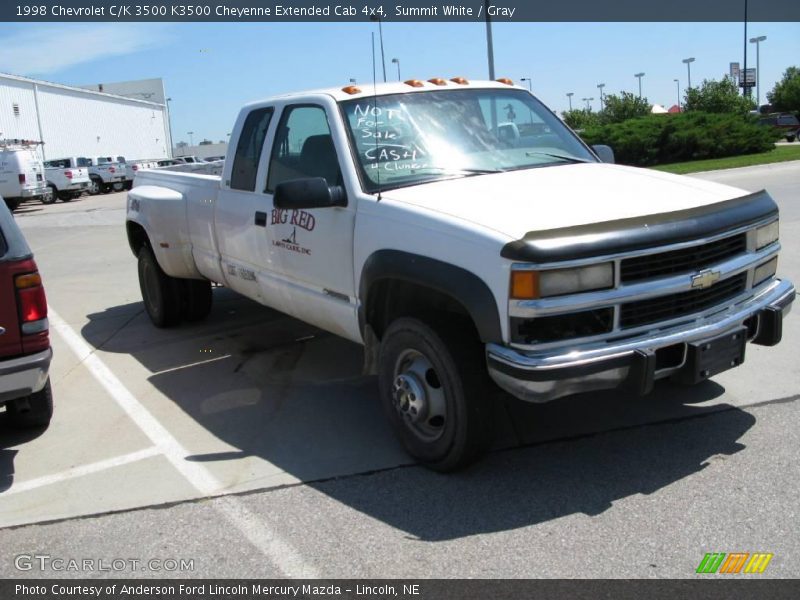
21	172
199	167
64	181
25	351
107	175
131	167
787	124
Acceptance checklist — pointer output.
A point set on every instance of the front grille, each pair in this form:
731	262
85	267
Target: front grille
664	308
684	260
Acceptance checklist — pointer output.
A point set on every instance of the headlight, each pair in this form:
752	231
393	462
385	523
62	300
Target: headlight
765	271
767	235
526	285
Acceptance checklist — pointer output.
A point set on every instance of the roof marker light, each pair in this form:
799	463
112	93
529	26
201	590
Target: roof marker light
351	89
437	81
459	80
505	80
414	82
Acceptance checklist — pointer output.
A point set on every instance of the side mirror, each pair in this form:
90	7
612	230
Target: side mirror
604	153
311	192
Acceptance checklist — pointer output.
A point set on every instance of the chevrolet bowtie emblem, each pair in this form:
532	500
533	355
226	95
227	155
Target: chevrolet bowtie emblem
705	279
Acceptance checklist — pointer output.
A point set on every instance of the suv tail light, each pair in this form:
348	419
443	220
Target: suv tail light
32	303
68	174
22	178
135	167
111	170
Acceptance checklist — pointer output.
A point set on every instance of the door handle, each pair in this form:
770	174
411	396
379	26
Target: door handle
261	218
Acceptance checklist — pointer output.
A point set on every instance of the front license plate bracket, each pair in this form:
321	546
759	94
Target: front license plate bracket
706	358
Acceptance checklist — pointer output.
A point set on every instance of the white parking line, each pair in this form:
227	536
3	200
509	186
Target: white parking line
82	470
278	551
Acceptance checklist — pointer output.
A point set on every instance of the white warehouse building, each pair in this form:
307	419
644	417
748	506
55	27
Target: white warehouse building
73	121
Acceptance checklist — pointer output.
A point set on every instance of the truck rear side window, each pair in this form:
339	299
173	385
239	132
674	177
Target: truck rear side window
248	149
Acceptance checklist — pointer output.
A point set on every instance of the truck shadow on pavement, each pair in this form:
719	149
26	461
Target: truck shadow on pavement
10	437
284	396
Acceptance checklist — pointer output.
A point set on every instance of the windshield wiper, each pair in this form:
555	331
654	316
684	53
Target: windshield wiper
449	170
566	157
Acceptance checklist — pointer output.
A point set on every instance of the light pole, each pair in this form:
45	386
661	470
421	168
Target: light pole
530	89
169	125
745	89
191	139
600	87
397	62
570	95
688	62
678	84
757	41
639	77
588	105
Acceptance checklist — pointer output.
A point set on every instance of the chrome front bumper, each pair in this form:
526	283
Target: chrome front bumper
632	363
20	377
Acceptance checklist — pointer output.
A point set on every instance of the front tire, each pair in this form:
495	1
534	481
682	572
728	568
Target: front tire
436	392
160	292
39	413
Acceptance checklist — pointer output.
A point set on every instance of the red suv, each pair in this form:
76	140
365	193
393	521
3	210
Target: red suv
25	351
785	123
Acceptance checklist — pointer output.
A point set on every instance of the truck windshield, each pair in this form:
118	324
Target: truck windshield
407	139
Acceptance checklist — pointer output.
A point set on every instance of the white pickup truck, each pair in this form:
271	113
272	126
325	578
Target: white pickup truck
64	181
403	219
107	174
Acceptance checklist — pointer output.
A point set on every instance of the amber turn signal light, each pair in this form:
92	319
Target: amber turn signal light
524	285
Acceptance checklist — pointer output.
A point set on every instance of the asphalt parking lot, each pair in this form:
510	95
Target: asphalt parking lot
251	444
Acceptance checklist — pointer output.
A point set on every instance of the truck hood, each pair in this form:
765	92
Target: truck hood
553	197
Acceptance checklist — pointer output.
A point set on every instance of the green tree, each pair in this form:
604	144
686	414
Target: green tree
717	97
617	109
580	118
785	96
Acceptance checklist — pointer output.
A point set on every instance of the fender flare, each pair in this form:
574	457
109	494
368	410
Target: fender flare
463	286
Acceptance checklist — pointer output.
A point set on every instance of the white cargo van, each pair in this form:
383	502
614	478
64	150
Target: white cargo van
21	172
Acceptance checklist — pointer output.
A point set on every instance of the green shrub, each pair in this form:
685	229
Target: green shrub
662	139
578	118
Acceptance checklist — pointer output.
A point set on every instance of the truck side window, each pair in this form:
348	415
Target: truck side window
248	149
303	147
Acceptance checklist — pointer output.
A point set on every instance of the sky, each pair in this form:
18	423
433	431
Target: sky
211	69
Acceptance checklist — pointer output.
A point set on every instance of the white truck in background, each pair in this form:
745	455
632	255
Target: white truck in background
464	259
106	175
21	172
64	181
